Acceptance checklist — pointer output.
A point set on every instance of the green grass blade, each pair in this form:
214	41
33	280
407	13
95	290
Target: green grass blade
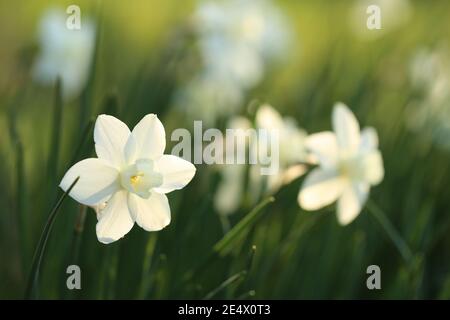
228	282
21	191
227	242
230	238
37	259
393	234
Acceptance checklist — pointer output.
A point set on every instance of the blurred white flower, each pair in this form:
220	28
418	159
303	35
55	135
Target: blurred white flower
394	13
236	40
292	149
257	24
429	112
237	36
64	53
292	159
349	164
129	180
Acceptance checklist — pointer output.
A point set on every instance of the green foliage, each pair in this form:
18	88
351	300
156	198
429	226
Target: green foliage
274	250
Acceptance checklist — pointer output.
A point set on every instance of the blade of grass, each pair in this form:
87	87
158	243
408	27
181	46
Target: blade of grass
75	246
228	282
245	285
224	244
21	195
230	238
393	234
37	259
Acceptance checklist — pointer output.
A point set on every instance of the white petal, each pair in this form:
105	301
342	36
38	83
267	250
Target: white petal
150	138
151	214
268	118
324	147
369	139
130	150
320	188
346	128
110	136
373	167
176	172
351	202
293	172
97	181
115	219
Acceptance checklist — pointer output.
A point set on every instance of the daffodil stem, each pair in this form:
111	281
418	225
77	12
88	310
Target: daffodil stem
146	269
393	234
225	223
78	231
39	253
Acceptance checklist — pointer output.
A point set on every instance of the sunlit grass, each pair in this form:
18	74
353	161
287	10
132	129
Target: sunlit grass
273	248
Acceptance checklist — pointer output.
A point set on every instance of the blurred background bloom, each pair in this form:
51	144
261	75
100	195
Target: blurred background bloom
349	164
219	61
239	181
429	111
236	40
63	52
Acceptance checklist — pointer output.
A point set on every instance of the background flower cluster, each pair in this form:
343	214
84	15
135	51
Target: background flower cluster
241	64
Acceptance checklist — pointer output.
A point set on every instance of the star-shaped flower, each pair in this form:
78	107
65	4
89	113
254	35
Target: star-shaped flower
349	164
129	180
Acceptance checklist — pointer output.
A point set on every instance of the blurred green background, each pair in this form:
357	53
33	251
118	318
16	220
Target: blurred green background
146	51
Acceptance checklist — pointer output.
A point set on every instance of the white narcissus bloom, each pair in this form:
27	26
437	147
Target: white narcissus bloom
64	53
429	112
292	151
237	40
349	164
292	154
129	180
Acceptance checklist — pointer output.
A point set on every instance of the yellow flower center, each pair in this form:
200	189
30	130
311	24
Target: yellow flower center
134	180
140	177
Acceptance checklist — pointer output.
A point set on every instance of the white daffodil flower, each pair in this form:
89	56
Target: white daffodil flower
129	180
429	112
292	150
349	164
64	53
237	41
291	158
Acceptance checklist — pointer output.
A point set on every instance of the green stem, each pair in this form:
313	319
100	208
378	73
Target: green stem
37	259
225	222
146	269
393	234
